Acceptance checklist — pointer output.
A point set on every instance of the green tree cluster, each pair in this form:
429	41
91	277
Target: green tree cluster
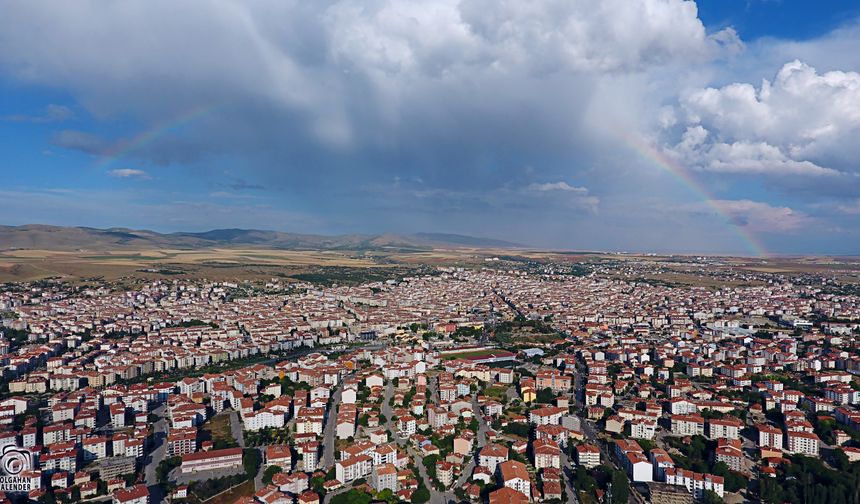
352	497
269	473
809	481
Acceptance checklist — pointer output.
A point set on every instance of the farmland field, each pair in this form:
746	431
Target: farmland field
351	267
216	264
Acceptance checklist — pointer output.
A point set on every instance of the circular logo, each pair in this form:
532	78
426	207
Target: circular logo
14	460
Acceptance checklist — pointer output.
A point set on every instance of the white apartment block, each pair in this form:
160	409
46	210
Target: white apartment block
696	483
353	468
804	443
688	425
643	429
727	428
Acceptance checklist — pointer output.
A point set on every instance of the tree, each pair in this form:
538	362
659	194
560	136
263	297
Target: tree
620	487
352	497
646	444
269	472
734	482
421	495
545	395
164	468
840	460
430	465
583	481
770	490
317	485
221	444
388	496
47	498
808	479
251	462
711	497
517	429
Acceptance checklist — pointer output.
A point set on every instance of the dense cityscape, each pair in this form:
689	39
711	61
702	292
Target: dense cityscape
500	384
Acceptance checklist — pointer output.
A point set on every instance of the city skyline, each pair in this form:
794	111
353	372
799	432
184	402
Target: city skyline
650	126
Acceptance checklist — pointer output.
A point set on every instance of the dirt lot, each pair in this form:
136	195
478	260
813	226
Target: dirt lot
219	428
231	496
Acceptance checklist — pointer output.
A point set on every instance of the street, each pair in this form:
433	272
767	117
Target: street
330	429
157	452
591	434
388	413
481	442
567	473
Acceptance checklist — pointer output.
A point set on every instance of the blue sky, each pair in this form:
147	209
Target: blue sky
787	19
652	125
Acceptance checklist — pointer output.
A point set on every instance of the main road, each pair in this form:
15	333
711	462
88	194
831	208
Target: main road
330	429
567	470
591	434
157	451
481	442
388	412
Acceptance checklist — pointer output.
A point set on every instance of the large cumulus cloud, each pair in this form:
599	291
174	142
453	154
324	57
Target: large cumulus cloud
380	78
802	123
473	112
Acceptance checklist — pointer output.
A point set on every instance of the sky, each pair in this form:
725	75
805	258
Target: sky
721	126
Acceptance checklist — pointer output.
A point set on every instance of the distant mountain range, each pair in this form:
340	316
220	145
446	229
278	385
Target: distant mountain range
43	237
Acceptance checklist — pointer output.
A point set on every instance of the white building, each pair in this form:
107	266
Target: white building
492	455
727	428
688	425
696	483
805	443
515	475
353	468
384	477
264	419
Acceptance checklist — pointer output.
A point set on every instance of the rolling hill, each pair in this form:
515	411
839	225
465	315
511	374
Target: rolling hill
44	237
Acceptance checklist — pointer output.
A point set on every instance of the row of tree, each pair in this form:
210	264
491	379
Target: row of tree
809	481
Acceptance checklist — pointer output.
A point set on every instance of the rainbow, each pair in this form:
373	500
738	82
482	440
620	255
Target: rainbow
652	155
124	147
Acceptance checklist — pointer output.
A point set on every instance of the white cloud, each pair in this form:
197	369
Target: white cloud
51	113
696	150
438	38
762	217
568	195
329	64
850	207
128	173
541	197
801	123
556	186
